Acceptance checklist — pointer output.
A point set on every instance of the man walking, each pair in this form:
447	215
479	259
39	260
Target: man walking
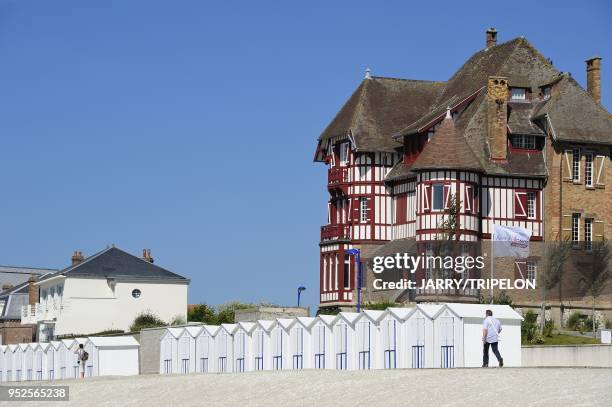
491	328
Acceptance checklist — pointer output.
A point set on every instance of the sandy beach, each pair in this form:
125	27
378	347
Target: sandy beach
433	387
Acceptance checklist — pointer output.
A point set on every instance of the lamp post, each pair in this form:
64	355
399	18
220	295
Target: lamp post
300	289
357	253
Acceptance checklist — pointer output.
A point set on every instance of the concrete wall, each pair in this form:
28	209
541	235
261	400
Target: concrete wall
150	349
568	355
268	313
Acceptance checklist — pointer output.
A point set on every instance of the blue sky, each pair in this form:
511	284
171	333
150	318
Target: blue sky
190	127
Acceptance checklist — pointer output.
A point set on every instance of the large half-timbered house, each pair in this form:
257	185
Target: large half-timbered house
399	151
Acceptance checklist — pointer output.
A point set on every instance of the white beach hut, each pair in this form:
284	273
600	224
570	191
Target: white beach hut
41	360
53	360
262	355
280	344
29	371
243	347
19	362
467	322
321	334
368	340
448	339
224	348
2	363
72	360
345	351
9	358
168	355
112	355
420	335
300	348
205	348
393	352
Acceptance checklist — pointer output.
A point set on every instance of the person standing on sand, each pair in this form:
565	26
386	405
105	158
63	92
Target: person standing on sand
82	358
491	328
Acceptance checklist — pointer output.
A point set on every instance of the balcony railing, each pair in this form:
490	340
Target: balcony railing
46	311
455	292
335	232
337	176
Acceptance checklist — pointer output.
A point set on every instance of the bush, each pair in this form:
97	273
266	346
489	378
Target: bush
548	328
529	327
178	320
202	313
381	306
146	320
578	321
537	339
501	298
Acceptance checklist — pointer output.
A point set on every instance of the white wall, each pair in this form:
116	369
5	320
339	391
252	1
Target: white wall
118	361
90	305
509	346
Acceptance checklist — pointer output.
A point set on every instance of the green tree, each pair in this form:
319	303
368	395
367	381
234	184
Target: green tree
202	313
597	272
226	312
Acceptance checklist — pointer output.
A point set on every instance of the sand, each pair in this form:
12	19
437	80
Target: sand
491	387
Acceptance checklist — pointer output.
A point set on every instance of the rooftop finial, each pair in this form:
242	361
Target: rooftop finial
368	73
448	113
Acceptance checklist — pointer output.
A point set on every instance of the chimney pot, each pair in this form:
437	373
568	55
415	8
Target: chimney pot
593	70
491	37
368	73
146	255
77	257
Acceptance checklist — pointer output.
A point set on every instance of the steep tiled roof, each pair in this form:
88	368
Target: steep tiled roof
378	108
519	119
115	263
447	150
575	116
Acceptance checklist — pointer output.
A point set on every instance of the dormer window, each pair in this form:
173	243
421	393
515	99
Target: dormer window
546	92
523	141
518	94
344	154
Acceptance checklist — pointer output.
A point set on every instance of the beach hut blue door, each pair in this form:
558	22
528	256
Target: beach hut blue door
418	347
258	337
240	351
277	348
389	337
447	348
297	341
183	348
319	346
363	343
340	334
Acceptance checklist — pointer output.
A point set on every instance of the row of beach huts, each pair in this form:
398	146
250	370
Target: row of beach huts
423	336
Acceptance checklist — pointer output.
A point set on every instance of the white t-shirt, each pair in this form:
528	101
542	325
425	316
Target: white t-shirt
493	327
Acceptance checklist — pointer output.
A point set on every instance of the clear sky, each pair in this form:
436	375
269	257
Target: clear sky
189	127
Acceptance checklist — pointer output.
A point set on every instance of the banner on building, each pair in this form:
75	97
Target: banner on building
510	241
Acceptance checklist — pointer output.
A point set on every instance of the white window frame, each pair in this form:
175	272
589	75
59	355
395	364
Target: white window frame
344	154
531	204
588	169
518	94
576	165
575	228
588	233
532	270
363	210
523	141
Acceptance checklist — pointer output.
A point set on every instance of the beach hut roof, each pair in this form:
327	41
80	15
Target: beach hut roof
349	317
24	346
400	313
266	325
42	345
247	326
210	329
305	321
327	319
430	310
13	347
230	328
373	315
56	344
286	323
478	311
113	341
176	332
194	330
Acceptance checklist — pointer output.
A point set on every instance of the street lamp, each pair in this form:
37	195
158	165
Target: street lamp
300	289
357	252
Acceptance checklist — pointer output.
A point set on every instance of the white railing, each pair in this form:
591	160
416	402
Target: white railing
46	311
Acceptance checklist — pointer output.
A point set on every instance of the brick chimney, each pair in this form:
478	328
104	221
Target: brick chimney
491	37
32	290
497	117
593	69
7	286
146	255
77	257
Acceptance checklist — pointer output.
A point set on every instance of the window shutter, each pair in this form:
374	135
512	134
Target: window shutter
370	209
566	228
566	165
520	204
598	231
520	270
356	209
426	198
447	189
600	171
469	199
